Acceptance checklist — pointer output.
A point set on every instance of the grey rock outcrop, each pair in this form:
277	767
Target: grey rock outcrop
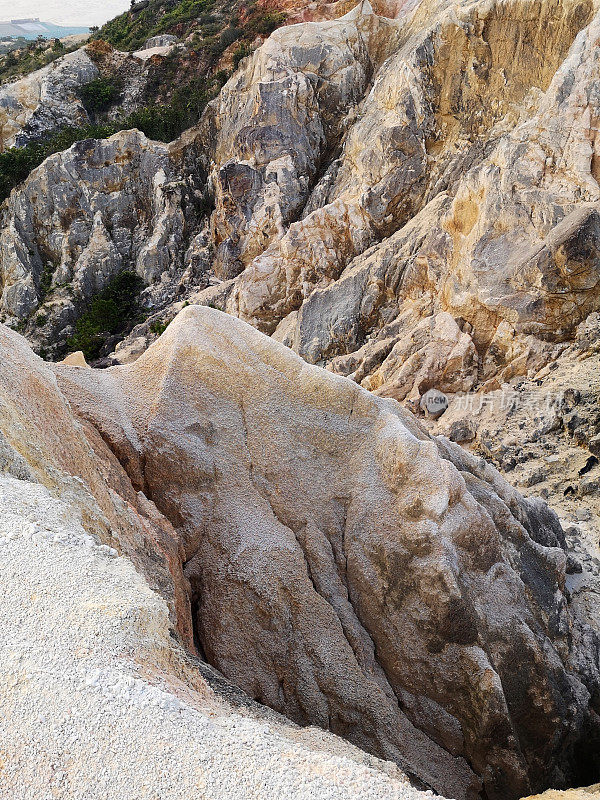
83	216
45	100
162	40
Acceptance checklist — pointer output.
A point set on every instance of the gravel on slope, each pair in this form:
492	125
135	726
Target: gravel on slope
92	700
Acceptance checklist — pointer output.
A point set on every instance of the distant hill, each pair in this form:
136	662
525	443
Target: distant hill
32	28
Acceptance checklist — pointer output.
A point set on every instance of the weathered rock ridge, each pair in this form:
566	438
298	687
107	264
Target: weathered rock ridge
543	432
411	201
338	564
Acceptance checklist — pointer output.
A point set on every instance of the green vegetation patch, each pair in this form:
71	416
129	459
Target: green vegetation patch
266	23
159	327
241	52
130	30
29	56
99	95
111	312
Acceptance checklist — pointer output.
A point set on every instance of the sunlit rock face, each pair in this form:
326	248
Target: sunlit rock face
348	570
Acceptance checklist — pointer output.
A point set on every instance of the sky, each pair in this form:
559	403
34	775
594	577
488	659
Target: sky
63	12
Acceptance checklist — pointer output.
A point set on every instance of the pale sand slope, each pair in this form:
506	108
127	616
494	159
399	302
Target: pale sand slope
96	697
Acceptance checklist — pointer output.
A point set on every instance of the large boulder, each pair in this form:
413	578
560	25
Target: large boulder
347	569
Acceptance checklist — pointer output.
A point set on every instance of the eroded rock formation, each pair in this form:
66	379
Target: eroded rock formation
543	432
45	100
410	201
40	104
99	698
340	565
495	213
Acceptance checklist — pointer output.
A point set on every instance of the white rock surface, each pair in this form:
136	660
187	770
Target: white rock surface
98	701
44	100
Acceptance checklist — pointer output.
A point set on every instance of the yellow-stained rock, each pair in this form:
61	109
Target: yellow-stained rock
586	793
76	359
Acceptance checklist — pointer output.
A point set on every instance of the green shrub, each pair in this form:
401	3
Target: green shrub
161	122
46	279
212	28
130	31
229	36
266	23
241	52
99	95
110	312
159	327
16	164
221	77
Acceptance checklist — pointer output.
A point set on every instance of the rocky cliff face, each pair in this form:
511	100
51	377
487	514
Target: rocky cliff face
46	100
467	238
83	216
274	126
543	432
410	201
412	602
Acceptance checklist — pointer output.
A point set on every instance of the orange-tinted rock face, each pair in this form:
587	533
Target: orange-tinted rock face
40	439
318	11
